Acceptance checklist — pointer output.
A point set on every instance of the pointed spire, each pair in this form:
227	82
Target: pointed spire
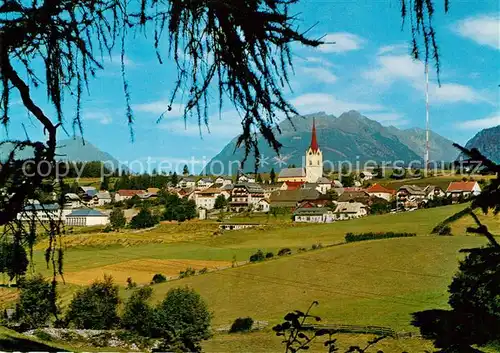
314	141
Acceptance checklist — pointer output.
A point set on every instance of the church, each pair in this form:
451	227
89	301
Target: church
313	169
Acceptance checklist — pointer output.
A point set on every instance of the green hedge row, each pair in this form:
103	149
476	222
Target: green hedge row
351	237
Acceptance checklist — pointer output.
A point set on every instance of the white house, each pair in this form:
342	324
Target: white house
86	217
101	198
323	185
366	175
313	215
349	210
204	183
223	181
72	200
40	213
263	206
378	190
122	195
206	198
246	195
465	189
433	192
188	182
244	178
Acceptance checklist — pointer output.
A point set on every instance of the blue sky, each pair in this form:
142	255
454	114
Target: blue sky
368	69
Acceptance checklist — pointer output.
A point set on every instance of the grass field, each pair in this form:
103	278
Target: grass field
366	283
441	181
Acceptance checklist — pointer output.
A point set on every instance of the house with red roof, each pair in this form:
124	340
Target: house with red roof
464	189
380	191
292	185
122	195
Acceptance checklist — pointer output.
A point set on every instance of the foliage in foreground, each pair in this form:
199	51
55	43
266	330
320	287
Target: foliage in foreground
13	259
36	302
95	307
298	333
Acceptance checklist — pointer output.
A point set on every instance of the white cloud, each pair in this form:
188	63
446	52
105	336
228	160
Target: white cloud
319	73
393	49
391	68
394	68
316	102
159	107
103	117
341	42
483	29
316	60
478	124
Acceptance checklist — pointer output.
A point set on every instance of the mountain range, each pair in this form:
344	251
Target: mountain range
487	141
349	137
76	149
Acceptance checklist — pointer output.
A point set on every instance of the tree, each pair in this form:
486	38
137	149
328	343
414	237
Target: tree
104	183
144	219
272	176
36	301
13	260
177	209
138	315
117	218
348	180
474	318
220	202
258	179
95	307
183	317
185	170
174	179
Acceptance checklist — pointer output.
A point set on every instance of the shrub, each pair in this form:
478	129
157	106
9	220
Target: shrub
188	272
44	336
158	278
130	283
269	255
137	315
317	246
182	318
117	219
444	230
258	256
36	302
241	324
144	219
203	271
302	250
285	251
14	260
95	307
351	237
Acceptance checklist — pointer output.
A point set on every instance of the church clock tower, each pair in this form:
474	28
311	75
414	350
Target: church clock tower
314	159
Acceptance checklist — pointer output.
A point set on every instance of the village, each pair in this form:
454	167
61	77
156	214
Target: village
306	194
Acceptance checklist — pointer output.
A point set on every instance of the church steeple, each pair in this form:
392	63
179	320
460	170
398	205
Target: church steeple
314	141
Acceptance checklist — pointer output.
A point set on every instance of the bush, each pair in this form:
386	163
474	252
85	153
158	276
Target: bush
241	324
351	237
144	219
138	316
302	250
188	272
317	246
158	278
36	302
95	307
14	260
203	271
130	283
183	319
42	335
269	255
258	256
444	230
285	251
117	218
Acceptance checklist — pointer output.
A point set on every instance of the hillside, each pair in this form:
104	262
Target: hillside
349	137
487	141
77	150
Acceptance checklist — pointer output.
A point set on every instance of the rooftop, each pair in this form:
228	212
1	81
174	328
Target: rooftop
461	186
86	212
292	173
